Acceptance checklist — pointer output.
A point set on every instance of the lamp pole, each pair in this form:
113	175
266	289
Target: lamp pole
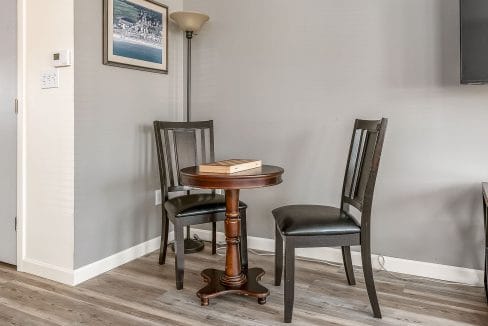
189	36
189	22
190	244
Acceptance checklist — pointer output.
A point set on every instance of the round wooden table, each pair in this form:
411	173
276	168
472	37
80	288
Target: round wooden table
233	279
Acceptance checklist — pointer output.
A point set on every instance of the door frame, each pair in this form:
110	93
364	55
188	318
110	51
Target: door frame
20	133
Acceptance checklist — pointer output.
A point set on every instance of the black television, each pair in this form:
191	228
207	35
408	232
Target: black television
474	41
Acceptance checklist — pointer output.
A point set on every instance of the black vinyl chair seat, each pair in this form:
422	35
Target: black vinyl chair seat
298	220
197	204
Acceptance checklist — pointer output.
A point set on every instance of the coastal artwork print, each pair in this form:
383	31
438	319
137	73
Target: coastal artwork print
136	34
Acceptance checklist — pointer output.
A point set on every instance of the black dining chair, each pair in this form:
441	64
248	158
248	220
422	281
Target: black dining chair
179	145
305	226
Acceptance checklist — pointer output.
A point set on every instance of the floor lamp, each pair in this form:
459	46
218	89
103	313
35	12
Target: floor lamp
190	23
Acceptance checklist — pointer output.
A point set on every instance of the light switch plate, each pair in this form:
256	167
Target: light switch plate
50	79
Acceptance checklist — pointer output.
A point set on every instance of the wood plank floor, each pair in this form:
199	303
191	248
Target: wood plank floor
143	293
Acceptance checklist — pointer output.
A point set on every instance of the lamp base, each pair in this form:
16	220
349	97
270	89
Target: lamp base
191	246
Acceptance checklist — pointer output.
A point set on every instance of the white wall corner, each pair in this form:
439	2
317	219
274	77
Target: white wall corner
45	230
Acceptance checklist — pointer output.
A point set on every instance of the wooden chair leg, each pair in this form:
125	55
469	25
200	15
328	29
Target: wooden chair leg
278	257
179	255
214	238
243	243
346	257
289	279
164	239
368	278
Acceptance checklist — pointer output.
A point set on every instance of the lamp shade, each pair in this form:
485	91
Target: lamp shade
189	21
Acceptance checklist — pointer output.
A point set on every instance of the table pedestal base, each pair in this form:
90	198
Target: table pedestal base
215	288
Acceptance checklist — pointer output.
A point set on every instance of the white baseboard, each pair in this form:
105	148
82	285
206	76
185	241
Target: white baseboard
392	264
51	272
87	272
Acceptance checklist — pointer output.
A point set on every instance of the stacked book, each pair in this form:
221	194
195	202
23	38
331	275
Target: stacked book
229	166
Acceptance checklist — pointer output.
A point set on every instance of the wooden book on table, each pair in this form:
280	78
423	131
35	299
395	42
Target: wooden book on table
229	166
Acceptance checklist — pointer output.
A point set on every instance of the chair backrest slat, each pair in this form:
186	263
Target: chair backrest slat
362	165
168	160
204	151
357	151
211	141
185	149
179	145
366	164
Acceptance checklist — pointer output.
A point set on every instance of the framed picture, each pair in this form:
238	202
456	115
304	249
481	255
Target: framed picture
136	35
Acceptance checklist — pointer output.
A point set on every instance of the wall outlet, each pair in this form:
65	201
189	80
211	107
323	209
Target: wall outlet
157	197
50	79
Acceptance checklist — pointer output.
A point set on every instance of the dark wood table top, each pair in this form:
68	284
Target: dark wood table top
266	175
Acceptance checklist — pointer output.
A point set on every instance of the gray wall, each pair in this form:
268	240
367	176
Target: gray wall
115	169
284	80
8	131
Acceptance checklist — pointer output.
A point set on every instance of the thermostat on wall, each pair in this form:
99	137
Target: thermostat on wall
62	58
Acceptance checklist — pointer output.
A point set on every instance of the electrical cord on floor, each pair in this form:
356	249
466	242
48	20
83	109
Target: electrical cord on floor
381	262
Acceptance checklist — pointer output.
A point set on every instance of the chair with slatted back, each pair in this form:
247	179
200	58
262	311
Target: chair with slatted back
179	145
304	226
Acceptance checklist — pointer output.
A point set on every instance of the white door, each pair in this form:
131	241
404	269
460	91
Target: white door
8	130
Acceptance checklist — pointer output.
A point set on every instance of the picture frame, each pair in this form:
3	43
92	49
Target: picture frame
135	35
